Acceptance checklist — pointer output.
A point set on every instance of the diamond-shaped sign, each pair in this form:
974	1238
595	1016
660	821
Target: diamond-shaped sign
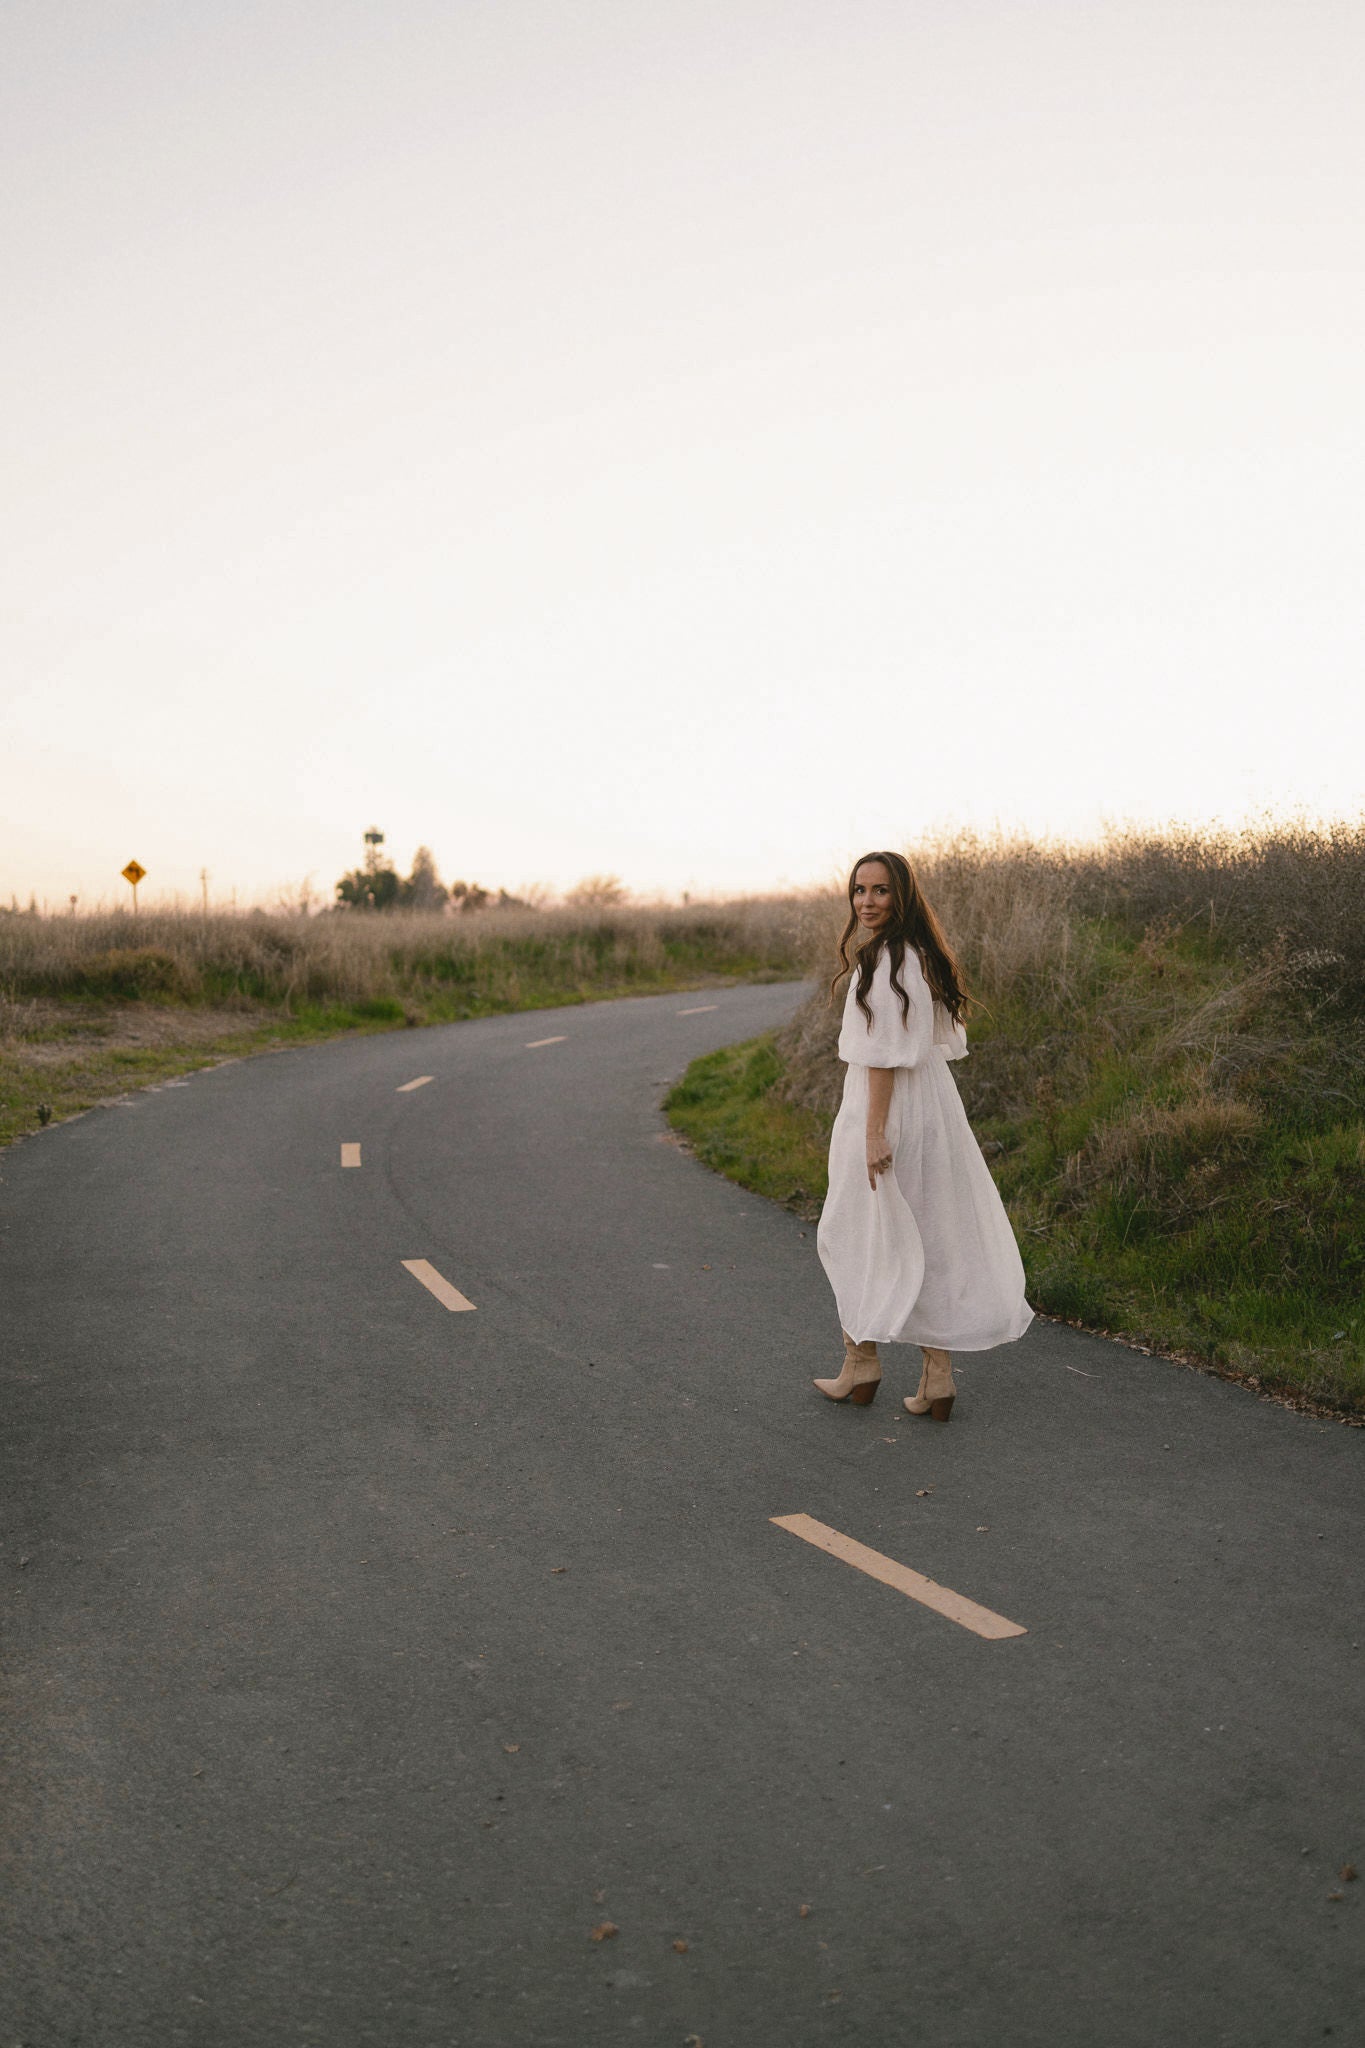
133	872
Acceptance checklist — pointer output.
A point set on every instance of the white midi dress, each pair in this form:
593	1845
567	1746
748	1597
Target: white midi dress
930	1258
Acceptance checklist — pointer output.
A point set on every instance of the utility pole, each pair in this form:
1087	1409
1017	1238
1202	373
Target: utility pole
204	888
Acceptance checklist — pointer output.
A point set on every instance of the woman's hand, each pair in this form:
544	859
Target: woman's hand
880	1083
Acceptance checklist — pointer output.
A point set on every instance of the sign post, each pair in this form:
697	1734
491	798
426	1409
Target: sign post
133	873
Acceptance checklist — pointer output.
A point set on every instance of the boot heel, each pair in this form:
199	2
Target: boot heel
860	1378
941	1409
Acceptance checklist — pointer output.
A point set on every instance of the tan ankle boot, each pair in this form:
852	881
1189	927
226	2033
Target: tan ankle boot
918	1402
860	1378
937	1389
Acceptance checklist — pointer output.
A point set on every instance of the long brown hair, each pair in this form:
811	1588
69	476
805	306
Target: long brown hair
911	923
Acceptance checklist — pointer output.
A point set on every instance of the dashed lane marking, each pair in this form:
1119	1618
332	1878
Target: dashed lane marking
952	1606
350	1155
532	1043
698	1008
420	1082
435	1283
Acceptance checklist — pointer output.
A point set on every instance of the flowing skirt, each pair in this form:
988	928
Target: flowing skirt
930	1258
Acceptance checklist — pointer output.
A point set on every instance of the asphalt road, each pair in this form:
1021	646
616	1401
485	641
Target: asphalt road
365	1656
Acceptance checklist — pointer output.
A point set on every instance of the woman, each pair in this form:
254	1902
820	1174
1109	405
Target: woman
914	1236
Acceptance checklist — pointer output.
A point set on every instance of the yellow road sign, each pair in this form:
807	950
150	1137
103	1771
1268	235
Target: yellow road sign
133	872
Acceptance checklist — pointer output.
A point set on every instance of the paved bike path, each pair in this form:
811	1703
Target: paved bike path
365	1657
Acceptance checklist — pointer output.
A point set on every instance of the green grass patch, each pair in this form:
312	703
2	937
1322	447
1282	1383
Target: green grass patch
64	1070
726	1108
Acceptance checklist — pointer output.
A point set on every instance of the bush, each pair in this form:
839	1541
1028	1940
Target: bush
133	973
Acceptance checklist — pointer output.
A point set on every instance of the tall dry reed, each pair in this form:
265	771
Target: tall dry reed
354	958
1048	931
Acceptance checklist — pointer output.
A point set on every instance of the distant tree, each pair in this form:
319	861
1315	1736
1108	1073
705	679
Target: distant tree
423	890
369	888
468	896
374	886
597	892
298	899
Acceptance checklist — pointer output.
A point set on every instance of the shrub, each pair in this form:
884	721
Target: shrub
133	973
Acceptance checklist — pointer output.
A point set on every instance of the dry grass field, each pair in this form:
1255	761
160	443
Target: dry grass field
1168	1077
90	1006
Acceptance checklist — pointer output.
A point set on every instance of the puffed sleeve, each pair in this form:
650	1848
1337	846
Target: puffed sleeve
892	1041
949	1036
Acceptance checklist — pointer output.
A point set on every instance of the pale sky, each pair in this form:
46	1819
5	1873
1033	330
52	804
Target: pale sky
694	439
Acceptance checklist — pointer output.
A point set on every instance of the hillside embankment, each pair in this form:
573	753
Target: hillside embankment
93	1006
1167	1077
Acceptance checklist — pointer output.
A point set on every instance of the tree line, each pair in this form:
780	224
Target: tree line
377	885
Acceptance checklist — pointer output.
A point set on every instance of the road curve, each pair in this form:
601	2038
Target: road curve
371	1658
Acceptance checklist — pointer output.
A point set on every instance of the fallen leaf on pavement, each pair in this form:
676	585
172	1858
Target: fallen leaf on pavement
557	1568
803	1912
923	1492
511	1748
619	1706
605	1931
680	1948
1348	1873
